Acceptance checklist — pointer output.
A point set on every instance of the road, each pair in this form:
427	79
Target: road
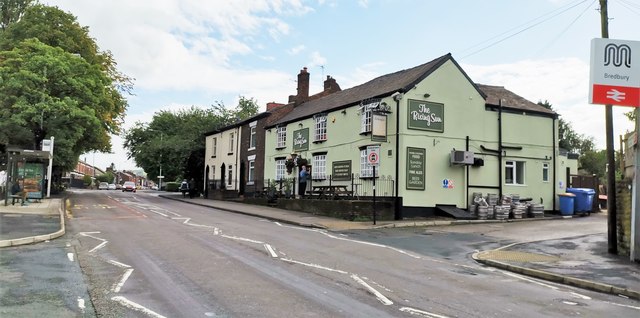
144	256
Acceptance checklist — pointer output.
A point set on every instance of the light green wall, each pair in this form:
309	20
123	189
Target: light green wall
464	115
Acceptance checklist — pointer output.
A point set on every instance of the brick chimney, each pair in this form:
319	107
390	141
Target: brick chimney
303	87
273	105
331	86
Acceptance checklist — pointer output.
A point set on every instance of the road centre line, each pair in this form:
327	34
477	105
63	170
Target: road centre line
384	300
241	239
423	313
70	256
81	304
116	263
270	250
313	265
116	288
135	306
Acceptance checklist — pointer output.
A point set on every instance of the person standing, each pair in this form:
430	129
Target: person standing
192	188
184	187
302	186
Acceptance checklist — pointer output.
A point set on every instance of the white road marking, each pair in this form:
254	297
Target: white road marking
116	263
580	296
159	213
384	300
101	245
270	250
216	231
81	304
135	306
86	233
314	266
622	305
241	239
530	280
70	256
422	313
116	288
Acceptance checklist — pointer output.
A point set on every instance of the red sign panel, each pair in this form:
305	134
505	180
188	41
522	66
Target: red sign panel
615	95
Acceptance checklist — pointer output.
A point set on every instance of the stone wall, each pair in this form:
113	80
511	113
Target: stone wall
623	217
357	210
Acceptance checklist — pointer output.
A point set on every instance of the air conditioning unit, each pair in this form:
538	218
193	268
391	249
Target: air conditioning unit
459	157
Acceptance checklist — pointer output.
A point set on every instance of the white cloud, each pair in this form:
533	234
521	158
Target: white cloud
296	49
317	59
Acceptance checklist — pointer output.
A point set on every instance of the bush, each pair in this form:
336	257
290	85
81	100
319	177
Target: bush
171	186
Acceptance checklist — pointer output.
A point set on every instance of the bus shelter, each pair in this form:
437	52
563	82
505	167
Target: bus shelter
29	169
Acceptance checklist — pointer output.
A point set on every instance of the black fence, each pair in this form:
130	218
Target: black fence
354	188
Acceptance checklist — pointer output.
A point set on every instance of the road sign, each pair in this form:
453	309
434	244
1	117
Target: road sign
160	177
373	155
615	72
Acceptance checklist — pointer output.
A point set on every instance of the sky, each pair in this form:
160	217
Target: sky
193	52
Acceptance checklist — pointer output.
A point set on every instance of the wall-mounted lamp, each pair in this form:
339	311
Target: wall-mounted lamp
426	95
300	125
344	111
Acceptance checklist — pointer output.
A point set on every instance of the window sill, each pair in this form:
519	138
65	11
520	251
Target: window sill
280	148
515	185
368	178
229	153
365	133
213	156
318	179
251	149
250	183
319	141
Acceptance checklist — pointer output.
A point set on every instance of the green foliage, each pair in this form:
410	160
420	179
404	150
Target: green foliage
107	177
86	180
11	11
175	141
54	81
171	186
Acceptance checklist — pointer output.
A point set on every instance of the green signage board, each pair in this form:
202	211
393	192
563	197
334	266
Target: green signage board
341	170
425	116
416	168
301	139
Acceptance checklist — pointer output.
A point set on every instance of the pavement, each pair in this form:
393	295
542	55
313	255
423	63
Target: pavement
581	261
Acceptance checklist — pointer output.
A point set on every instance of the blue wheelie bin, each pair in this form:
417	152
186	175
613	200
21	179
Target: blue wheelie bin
567	202
584	199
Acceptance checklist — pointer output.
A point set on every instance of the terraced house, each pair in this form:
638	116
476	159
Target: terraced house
432	135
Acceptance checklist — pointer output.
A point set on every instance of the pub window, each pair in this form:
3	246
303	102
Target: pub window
514	172
280	169
320	127
319	167
366	170
366	120
281	137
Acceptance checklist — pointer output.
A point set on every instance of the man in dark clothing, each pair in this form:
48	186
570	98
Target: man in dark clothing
17	191
192	188
302	186
184	187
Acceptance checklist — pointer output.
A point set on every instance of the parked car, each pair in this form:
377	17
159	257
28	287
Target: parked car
129	186
103	186
112	186
118	186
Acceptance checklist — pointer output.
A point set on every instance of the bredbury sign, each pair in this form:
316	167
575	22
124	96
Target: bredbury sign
615	72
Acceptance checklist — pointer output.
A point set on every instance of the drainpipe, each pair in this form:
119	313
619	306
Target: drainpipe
553	198
500	149
397	96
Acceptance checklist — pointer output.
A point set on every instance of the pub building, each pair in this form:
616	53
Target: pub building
432	135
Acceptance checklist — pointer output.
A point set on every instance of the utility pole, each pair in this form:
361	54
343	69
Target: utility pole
611	162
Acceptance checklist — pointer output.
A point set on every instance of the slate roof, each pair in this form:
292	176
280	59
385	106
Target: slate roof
378	87
510	99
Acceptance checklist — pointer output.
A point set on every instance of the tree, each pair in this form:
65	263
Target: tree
54	81
175	141
11	11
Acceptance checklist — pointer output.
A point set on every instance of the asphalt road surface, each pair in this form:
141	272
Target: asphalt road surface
144	256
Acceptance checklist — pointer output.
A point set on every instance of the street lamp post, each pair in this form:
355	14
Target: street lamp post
160	176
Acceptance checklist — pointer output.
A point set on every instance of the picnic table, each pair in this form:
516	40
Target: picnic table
331	191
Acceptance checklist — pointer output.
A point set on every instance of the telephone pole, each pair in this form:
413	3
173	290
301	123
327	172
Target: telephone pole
611	161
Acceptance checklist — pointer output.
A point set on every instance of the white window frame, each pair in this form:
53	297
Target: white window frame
319	164
545	172
366	120
517	169
231	142
253	136
230	175
320	127
281	137
280	169
366	170
214	146
251	174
